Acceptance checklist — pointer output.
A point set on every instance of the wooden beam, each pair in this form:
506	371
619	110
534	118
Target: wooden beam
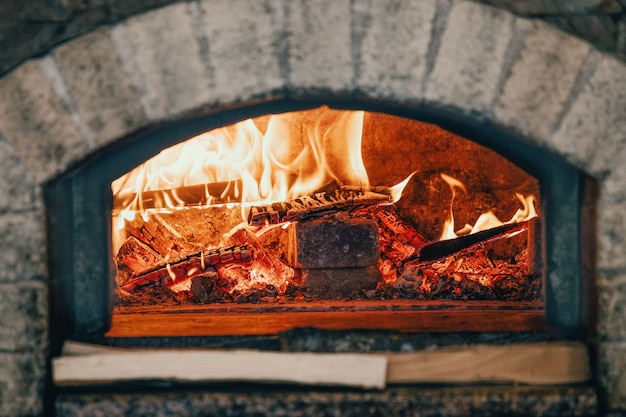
401	315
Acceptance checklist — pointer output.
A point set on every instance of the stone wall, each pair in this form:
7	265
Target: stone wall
33	27
462	58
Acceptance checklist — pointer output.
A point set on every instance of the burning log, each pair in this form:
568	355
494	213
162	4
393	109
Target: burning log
137	256
444	248
194	265
192	195
315	205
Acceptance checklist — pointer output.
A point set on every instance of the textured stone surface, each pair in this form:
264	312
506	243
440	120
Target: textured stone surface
22	246
165	59
535	7
397	401
338	283
594	129
105	97
612	306
243	39
611	220
471	57
37	123
612	186
319	44
540	81
394	49
335	243
21	384
18	190
23	316
611	365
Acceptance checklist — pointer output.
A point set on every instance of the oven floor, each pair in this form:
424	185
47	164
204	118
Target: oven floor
284	400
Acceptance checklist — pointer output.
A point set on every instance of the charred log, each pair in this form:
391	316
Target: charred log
315	205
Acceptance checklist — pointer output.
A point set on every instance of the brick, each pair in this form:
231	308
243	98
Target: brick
333	283
540	81
594	129
611	221
611	325
22	377
334	243
470	58
37	123
612	378
242	39
166	60
23	246
105	97
319	45
23	316
394	50
18	190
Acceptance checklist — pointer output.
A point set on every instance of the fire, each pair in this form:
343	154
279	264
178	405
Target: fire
263	160
486	220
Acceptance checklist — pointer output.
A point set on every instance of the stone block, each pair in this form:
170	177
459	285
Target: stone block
162	48
394	48
22	377
243	41
611	324
613	185
38	123
540	81
339	282
103	92
471	57
23	316
319	45
611	250
593	130
18	190
334	243
23	246
611	375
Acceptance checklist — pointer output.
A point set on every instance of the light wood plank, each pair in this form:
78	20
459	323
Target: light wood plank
358	370
531	363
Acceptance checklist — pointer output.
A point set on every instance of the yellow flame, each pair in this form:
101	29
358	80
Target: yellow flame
486	220
262	160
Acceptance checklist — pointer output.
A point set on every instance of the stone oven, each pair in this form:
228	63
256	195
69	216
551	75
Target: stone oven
93	108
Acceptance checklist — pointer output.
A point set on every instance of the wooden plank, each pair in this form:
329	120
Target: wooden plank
221	323
349	369
531	363
527	363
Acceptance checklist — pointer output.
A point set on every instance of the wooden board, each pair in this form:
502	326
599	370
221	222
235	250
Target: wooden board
359	370
528	363
402	315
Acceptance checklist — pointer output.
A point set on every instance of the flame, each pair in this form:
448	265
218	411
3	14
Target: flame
486	220
262	160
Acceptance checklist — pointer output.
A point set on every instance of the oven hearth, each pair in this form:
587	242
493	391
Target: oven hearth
77	118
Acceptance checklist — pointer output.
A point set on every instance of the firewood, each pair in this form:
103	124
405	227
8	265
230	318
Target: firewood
194	265
137	256
185	196
443	248
314	205
527	363
329	369
339	283
333	241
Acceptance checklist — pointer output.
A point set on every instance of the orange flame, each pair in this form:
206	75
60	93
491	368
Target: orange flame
261	160
486	220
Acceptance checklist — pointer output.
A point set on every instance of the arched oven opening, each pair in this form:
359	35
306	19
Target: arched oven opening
332	215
